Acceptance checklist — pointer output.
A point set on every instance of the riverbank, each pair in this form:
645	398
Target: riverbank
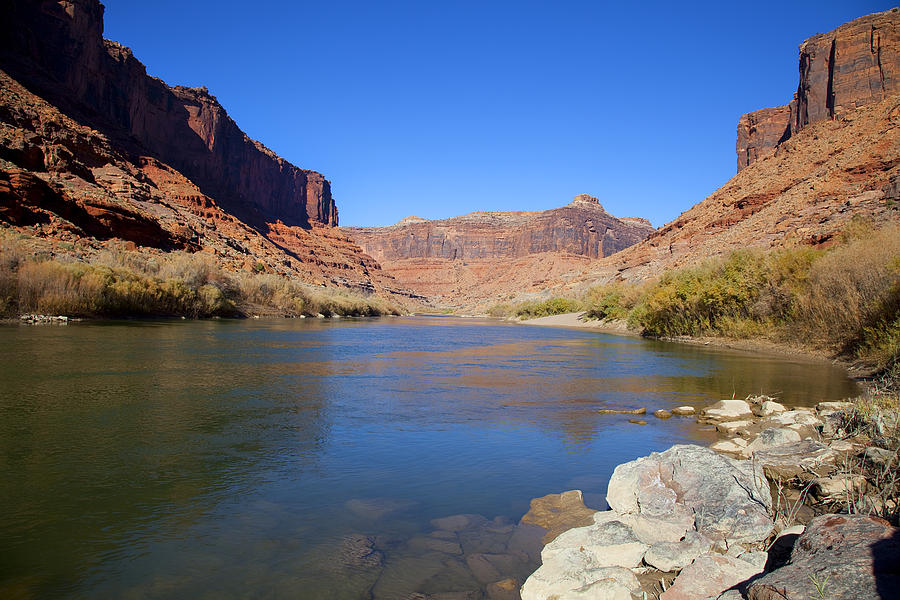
692	523
860	370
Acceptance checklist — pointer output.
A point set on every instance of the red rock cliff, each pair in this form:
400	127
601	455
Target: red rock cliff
856	64
56	48
582	228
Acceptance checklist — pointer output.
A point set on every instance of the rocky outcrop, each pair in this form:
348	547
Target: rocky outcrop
855	65
682	508
56	49
837	556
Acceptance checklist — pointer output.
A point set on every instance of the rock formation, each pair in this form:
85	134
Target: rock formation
93	152
484	254
582	228
855	65
805	189
57	50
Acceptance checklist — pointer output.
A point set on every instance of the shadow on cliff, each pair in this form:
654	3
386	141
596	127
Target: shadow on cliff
886	566
59	54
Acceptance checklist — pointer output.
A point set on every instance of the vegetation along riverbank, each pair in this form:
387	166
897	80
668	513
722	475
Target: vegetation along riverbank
121	283
843	301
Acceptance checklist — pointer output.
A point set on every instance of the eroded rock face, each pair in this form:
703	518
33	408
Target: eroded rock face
94	153
57	49
849	556
582	228
494	254
856	64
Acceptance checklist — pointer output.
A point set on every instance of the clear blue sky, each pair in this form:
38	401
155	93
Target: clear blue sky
439	108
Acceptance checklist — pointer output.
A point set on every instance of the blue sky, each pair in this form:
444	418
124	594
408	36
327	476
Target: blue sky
437	109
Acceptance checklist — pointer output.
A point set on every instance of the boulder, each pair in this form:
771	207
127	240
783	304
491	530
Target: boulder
683	411
558	513
727	410
616	583
879	457
731	446
838	487
796	417
674	556
662	414
568	572
845	556
732	427
728	499
824	408
609	544
708	576
772	438
788	460
768	408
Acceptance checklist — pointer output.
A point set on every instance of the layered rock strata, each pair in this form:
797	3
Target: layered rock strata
492	254
855	65
94	153
57	50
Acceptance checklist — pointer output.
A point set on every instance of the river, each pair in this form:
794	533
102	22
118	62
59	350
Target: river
173	459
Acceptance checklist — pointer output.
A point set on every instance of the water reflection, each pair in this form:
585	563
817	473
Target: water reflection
153	458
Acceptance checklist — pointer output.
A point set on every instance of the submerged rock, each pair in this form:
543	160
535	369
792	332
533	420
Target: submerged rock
558	513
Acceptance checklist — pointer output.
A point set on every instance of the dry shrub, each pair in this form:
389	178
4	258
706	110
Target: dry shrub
852	289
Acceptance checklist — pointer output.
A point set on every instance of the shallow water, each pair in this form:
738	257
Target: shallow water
252	458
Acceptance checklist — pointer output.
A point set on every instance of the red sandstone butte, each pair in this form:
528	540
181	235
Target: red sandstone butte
855	65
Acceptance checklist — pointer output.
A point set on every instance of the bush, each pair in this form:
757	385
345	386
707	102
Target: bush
553	306
123	283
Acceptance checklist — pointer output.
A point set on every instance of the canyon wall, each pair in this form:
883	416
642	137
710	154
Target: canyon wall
485	257
856	64
582	228
825	164
56	49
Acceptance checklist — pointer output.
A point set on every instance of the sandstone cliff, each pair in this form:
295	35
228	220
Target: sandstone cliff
56	49
840	162
856	64
582	228
494	254
95	154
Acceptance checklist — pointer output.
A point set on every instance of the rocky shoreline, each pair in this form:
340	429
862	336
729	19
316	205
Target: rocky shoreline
753	516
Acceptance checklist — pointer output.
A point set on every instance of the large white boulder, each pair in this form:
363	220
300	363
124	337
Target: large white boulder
727	499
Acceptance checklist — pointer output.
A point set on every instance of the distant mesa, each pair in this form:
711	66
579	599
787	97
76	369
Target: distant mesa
488	254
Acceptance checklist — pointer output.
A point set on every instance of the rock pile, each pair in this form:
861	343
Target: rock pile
694	523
